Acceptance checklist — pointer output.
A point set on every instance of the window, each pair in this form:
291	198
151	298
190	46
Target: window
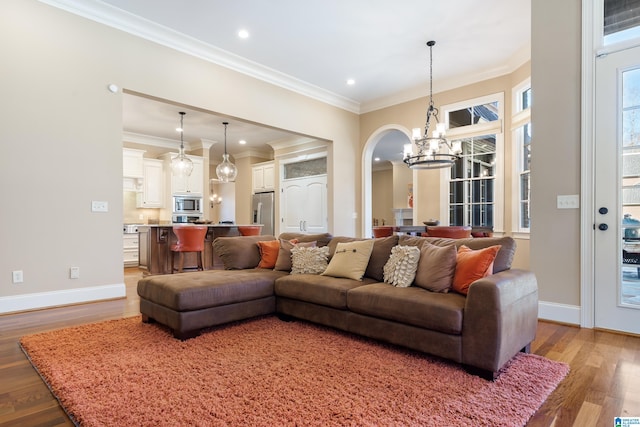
621	20
305	168
521	131
473	185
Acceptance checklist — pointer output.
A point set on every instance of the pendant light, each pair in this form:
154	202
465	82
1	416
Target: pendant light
181	165
226	170
433	150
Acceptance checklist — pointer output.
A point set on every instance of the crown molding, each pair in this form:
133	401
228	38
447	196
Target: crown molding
117	18
154	141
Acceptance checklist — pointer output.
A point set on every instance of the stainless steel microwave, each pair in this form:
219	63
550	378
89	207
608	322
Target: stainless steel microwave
187	205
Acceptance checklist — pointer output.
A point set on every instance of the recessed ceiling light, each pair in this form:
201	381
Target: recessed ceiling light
243	34
242	142
377	159
351	82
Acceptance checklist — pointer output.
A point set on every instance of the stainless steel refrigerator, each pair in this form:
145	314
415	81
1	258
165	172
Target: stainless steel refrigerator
263	210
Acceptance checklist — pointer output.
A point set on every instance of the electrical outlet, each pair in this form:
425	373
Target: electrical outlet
18	276
74	273
99	206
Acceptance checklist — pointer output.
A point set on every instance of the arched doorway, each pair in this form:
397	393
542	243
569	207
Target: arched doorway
393	137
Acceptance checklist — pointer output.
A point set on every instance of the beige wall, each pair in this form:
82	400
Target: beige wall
382	197
63	148
402	177
555	169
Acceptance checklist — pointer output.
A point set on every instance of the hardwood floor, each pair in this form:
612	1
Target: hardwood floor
604	381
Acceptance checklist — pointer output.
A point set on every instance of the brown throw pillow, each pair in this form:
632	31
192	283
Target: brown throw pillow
283	263
436	267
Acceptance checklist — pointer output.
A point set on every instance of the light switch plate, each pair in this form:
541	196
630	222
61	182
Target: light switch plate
571	201
98	206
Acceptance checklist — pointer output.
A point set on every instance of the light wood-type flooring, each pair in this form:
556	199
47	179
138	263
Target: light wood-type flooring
604	381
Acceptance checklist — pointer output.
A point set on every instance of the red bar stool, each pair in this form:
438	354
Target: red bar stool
249	230
382	231
450	232
190	239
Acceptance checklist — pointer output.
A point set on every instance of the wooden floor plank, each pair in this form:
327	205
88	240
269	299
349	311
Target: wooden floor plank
604	381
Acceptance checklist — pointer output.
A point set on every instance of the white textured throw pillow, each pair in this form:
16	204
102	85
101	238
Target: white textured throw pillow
309	260
400	269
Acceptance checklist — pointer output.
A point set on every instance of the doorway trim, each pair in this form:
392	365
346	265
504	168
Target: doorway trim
367	155
587	185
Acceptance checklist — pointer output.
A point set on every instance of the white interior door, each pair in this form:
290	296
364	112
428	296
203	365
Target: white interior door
617	192
304	205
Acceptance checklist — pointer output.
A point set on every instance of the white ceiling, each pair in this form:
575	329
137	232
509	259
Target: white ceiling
314	46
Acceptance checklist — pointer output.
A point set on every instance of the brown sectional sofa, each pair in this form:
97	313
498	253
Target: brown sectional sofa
482	330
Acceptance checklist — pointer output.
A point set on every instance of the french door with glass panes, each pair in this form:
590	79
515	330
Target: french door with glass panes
617	192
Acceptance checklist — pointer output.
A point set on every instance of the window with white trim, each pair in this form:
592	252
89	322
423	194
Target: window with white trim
473	185
521	137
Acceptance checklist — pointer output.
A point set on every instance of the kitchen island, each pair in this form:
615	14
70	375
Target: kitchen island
155	240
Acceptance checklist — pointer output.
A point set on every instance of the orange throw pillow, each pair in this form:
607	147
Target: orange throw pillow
473	265
268	253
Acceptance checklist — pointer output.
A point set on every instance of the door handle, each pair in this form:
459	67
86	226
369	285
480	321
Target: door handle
603	211
603	227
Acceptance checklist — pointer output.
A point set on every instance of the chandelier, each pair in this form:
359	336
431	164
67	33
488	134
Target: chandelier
433	150
181	165
226	171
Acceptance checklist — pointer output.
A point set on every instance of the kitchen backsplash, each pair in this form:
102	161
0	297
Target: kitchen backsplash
134	215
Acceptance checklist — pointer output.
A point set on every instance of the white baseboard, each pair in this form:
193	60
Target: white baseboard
562	313
39	300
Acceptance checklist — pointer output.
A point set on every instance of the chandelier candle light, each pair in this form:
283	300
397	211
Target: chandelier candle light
181	165
433	152
226	170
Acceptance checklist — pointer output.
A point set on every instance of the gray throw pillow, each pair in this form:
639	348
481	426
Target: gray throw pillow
436	267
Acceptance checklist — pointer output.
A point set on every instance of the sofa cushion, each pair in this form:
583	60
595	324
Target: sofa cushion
283	263
472	265
436	267
414	306
204	289
239	252
316	289
503	260
400	269
350	260
309	260
268	253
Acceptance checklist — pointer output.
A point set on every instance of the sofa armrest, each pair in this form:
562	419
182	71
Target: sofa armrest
500	318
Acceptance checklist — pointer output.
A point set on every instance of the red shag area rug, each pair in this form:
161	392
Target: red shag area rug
266	372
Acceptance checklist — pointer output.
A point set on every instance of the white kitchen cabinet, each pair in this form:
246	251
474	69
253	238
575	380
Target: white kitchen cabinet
130	244
304	205
192	184
263	177
152	194
132	163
